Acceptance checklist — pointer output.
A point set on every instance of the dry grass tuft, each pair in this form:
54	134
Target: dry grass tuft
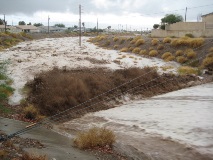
115	46
186	41
139	42
208	62
135	39
136	50
211	49
166	55
181	59
179	53
167	40
95	137
125	49
115	39
151	48
170	58
154	42
183	70
153	53
143	52
160	47
30	112
131	49
33	157
190	54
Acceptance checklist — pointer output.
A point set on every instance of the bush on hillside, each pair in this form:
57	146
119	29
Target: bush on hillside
154	42
125	49
167	40
136	50
153	53
166	55
95	137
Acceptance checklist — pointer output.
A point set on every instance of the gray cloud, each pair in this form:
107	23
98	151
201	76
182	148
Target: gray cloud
143	7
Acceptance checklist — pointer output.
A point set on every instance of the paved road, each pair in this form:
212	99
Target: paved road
57	146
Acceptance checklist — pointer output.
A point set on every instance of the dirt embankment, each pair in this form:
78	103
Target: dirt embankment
55	91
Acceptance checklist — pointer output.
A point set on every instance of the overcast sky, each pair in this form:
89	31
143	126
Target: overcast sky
134	14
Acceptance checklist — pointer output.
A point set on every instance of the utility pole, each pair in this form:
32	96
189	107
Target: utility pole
48	25
4	24
185	14
80	25
97	26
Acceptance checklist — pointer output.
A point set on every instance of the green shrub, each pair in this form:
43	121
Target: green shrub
153	53
94	137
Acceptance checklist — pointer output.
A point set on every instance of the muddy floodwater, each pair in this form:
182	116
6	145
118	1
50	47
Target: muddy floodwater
179	123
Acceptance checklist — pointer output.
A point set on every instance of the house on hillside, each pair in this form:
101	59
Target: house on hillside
27	29
44	29
180	29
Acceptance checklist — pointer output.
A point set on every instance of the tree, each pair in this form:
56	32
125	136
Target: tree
109	27
21	23
155	26
60	25
83	24
38	24
171	18
29	23
1	21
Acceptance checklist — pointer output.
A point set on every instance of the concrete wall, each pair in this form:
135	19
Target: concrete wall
208	18
186	26
198	33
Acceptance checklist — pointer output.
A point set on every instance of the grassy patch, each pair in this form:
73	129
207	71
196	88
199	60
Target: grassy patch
143	52
181	59
139	42
208	62
153	53
125	49
33	157
136	50
186	41
166	55
94	137
154	42
188	70
167	40
160	47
